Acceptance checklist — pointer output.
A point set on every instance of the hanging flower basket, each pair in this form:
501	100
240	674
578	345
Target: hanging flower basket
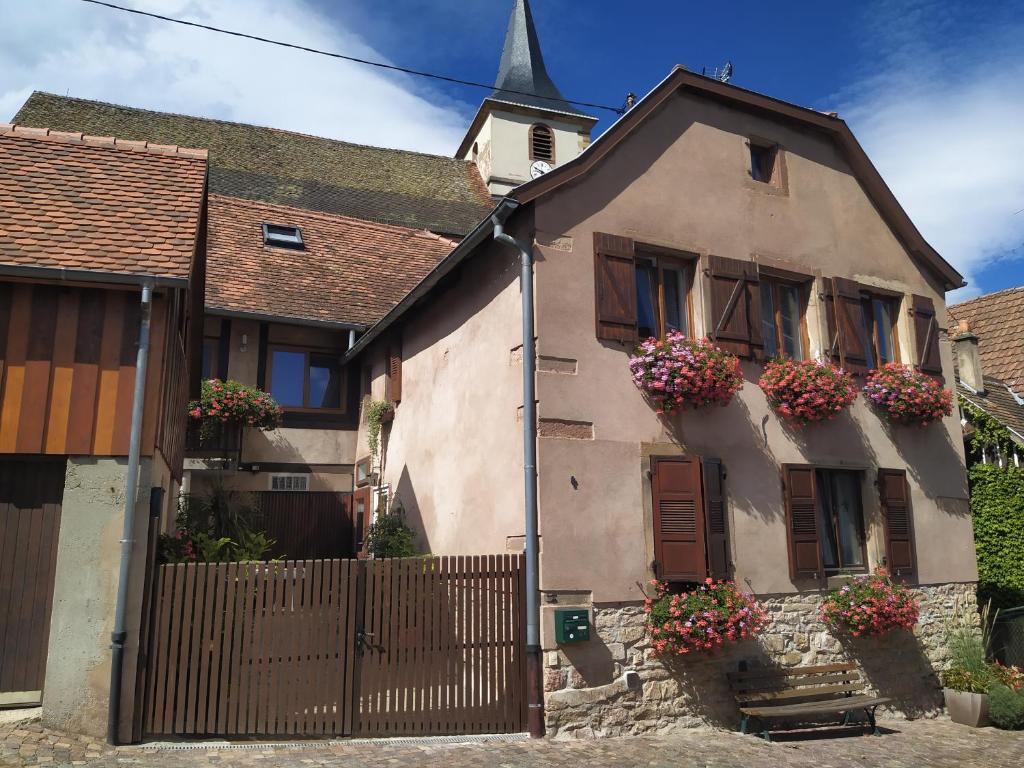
233	403
907	396
806	391
871	605
704	619
678	372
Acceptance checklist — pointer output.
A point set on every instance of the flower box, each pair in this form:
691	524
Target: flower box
806	391
677	372
870	605
907	396
966	708
701	619
226	403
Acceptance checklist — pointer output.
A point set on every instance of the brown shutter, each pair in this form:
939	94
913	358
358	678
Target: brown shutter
394	373
678	519
716	522
802	521
735	306
845	324
615	288
926	333
899	536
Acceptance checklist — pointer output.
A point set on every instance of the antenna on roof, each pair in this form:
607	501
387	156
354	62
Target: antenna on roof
722	74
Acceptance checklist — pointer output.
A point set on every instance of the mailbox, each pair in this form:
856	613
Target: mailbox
572	625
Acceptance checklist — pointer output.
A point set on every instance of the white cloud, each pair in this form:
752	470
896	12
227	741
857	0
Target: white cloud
941	118
69	47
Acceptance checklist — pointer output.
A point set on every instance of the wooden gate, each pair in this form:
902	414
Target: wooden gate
338	647
31	492
306	524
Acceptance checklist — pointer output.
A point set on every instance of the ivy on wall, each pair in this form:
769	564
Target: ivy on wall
989	434
997	511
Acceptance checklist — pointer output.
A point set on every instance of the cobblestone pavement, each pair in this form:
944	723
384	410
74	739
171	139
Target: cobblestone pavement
919	744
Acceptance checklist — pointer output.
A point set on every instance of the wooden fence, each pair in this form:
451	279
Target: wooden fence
306	524
338	647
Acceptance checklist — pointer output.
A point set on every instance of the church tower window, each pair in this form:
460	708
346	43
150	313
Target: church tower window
542	143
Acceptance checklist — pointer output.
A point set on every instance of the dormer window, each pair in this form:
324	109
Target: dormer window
542	144
282	236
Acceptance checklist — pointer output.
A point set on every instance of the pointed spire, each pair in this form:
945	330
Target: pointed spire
522	66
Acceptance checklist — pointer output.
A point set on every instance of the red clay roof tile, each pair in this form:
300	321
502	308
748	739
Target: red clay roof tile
998	321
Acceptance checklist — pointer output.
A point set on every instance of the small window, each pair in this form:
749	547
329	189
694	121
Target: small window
542	143
281	236
783	305
302	379
878	329
840	520
662	295
762	162
289	482
362	472
211	348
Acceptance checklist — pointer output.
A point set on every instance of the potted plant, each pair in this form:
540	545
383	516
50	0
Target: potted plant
806	391
870	605
233	403
701	619
904	395
677	372
966	683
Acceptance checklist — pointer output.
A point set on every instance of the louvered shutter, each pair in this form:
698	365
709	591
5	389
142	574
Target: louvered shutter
926	334
715	521
615	288
678	519
802	521
734	299
899	535
847	337
394	373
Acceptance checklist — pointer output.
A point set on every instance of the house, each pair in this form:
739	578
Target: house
997	319
499	330
101	249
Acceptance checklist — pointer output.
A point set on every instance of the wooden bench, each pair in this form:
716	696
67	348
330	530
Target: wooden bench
766	694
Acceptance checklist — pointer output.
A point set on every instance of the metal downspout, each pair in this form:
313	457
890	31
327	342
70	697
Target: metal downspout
534	687
128	530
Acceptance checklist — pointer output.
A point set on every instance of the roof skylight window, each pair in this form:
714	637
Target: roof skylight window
281	236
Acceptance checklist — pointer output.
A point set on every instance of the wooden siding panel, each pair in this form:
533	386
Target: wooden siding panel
154	374
36	393
14	368
63	372
85	376
127	358
108	398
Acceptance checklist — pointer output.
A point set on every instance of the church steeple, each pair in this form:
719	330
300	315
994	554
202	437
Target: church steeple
522	69
525	127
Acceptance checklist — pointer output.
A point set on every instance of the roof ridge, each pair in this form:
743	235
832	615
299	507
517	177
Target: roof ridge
987	296
251	125
83	139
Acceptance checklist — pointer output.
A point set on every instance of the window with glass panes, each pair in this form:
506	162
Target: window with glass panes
782	318
305	379
840	519
878	329
662	294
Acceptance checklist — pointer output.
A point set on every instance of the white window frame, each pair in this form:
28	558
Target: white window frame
292	479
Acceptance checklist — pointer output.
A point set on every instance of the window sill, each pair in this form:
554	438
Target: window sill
836	580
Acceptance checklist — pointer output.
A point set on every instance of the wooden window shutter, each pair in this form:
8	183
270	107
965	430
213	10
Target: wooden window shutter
615	288
394	377
845	324
800	491
926	334
715	519
734	316
894	494
679	551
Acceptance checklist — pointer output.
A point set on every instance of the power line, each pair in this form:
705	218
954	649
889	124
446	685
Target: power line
331	54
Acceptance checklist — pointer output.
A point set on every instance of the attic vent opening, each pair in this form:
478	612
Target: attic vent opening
281	236
542	143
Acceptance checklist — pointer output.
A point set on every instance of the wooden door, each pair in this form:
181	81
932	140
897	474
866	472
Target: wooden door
31	491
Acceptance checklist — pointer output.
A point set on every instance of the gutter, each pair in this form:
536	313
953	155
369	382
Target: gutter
461	251
128	526
244	314
534	687
63	274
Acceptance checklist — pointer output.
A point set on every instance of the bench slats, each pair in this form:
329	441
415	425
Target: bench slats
800	693
751	686
770	672
847	704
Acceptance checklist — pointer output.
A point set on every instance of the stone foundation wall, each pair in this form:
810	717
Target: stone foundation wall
615	684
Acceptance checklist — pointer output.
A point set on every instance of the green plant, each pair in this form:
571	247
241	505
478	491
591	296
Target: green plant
701	619
805	391
214	528
988	433
870	605
231	402
374	413
677	372
997	514
968	643
390	536
1006	707
907	396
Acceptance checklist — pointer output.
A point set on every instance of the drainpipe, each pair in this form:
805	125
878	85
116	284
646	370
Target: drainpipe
534	689
128	529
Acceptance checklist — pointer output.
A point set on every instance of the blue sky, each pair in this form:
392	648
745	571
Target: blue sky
934	90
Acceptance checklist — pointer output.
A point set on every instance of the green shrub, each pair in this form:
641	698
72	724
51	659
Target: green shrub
997	512
390	536
1006	707
214	528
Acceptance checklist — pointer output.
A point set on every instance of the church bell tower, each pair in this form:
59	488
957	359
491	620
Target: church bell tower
525	127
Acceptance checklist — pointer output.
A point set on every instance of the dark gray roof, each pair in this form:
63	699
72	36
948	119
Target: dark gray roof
410	189
999	402
522	67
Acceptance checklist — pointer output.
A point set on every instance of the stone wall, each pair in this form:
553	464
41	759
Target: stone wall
615	684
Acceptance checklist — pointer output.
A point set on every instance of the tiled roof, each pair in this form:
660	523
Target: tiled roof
998	321
350	271
999	403
95	203
441	194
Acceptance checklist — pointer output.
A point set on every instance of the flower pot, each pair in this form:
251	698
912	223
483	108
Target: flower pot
966	708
